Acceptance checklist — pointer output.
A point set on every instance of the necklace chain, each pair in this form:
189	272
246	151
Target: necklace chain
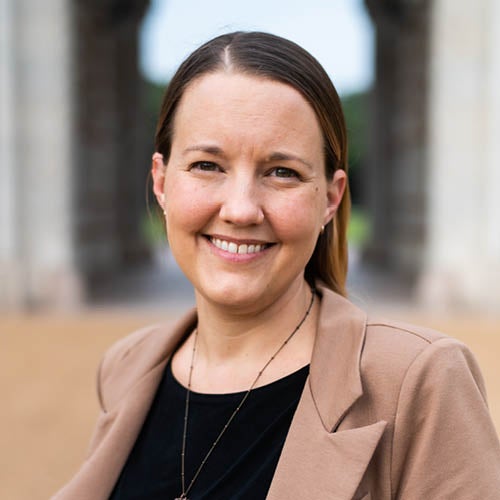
237	409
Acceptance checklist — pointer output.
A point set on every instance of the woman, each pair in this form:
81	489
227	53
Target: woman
276	386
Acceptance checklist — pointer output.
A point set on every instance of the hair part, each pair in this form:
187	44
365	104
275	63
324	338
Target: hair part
270	56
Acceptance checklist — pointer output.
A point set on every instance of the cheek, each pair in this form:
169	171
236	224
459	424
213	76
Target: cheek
188	207
298	218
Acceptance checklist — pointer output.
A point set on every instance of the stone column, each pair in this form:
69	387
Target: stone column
37	132
135	139
72	155
396	164
10	268
462	258
112	162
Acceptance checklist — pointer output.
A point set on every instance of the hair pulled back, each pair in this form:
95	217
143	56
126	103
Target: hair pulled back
275	58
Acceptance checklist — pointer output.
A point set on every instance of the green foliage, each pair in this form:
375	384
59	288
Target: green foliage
153	97
356	115
153	228
358	232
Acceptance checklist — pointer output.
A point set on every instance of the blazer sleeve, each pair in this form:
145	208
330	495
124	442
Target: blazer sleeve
98	429
445	445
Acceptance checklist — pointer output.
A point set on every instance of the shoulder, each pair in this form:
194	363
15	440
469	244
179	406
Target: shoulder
383	350
130	358
430	390
401	345
403	363
396	344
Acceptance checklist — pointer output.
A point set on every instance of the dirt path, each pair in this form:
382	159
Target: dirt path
48	398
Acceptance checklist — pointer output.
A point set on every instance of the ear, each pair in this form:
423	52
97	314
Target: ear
158	173
334	191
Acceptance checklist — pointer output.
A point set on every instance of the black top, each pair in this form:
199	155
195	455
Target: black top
242	464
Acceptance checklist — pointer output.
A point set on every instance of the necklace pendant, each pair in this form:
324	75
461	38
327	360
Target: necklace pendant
182	497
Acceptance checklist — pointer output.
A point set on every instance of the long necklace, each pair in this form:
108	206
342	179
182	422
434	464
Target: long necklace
237	409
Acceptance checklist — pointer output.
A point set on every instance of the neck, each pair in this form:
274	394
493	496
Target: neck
228	336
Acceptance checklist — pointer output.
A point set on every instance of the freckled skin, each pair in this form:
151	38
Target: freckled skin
246	164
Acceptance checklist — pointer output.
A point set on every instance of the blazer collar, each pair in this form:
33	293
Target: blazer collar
336	357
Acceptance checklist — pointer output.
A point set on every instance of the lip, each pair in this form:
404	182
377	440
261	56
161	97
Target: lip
235	256
239	241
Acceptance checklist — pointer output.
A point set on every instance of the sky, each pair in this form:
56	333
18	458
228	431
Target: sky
337	32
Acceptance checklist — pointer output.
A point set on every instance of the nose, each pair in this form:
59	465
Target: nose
241	204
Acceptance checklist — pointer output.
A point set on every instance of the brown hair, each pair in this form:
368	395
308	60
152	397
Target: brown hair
275	58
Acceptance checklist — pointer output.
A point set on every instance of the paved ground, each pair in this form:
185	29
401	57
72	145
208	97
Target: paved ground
48	364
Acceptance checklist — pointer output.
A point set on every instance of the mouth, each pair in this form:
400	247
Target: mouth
234	247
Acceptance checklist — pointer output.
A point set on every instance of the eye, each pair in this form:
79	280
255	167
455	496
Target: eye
205	166
284	172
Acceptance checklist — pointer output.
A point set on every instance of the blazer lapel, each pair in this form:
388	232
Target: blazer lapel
318	464
318	460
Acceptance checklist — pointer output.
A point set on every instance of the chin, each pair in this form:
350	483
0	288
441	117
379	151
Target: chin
235	297
238	293
244	294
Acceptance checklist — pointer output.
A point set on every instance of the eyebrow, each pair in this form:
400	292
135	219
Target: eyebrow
205	148
276	156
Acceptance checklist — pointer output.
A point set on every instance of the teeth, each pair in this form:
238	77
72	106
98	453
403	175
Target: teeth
232	247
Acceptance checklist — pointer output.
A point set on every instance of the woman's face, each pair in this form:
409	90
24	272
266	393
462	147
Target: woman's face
244	189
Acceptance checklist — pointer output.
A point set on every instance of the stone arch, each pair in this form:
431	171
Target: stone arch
69	128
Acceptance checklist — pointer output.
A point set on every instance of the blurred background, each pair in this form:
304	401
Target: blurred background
83	256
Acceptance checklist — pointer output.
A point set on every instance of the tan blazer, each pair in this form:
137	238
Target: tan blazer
389	411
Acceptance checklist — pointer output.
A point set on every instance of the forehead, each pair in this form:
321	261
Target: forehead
247	106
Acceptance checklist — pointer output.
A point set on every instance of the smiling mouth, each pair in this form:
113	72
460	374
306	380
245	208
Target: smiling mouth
235	248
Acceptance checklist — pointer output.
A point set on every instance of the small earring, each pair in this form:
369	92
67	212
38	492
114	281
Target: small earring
322	229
